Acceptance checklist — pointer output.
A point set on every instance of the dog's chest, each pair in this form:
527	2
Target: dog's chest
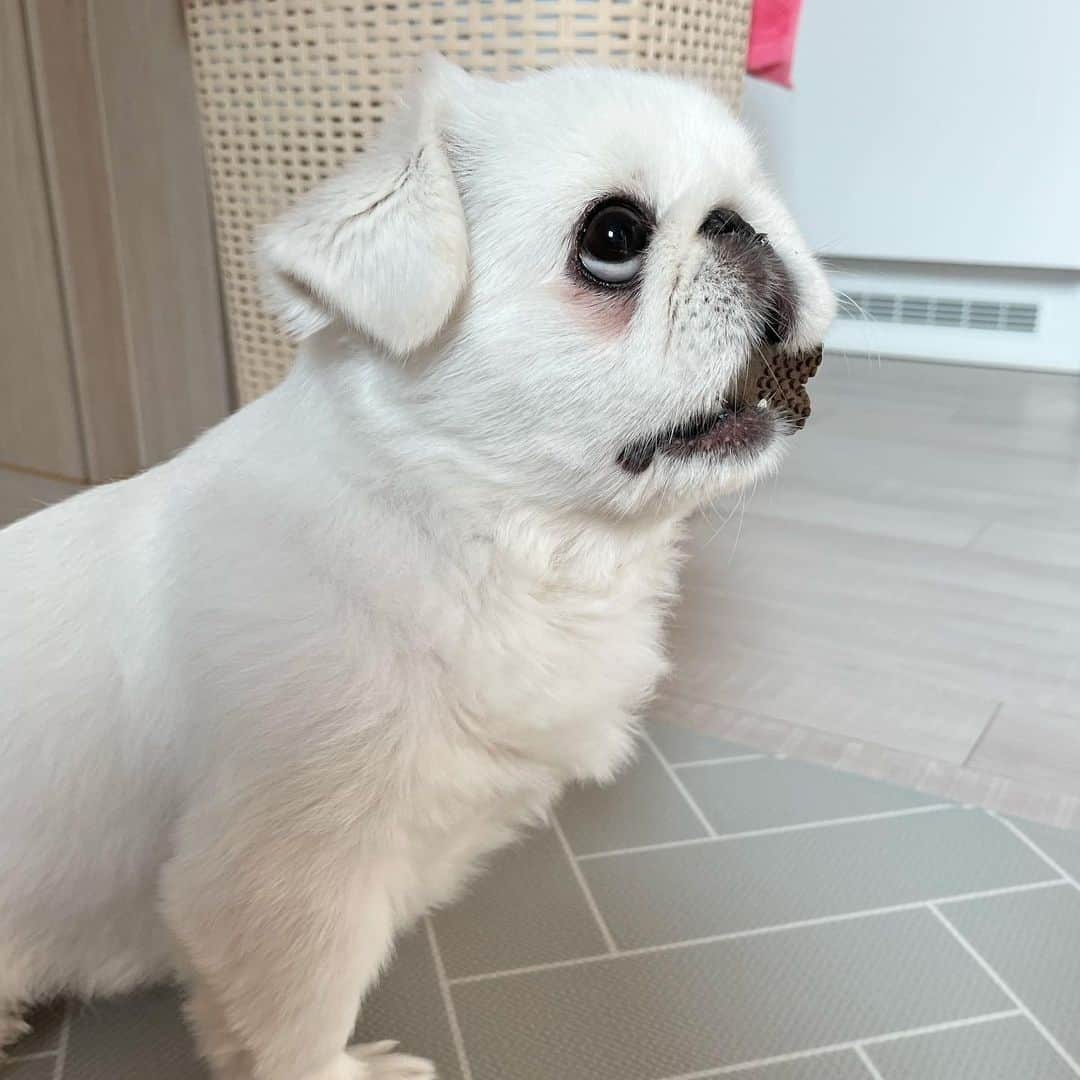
554	666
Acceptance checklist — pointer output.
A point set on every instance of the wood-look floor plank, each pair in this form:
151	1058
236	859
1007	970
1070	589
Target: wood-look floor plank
1048	547
914	567
888	707
1032	744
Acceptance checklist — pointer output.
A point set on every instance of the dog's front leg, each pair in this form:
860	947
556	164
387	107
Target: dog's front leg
282	928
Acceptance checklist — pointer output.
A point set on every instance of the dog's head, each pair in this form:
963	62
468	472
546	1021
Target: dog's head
566	278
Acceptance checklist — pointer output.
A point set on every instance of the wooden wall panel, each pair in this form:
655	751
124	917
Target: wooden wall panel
162	220
114	345
73	136
39	426
23	493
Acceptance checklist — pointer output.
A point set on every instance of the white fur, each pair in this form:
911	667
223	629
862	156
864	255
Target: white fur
263	705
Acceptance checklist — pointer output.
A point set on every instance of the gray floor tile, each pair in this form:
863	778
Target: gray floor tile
1002	1050
1031	941
529	909
718	887
35	1069
407	1005
771	792
141	1036
643	807
680	745
1062	845
842	1066
45	1023
709	1006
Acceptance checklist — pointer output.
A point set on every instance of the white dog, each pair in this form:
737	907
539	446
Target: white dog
264	705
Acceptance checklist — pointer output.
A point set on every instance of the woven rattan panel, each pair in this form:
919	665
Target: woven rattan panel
289	90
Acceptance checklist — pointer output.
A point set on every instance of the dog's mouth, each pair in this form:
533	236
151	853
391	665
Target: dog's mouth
735	430
770	399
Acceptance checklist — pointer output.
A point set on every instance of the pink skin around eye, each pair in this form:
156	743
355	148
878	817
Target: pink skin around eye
607	315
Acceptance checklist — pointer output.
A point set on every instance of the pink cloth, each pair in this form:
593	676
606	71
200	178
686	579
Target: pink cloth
773	26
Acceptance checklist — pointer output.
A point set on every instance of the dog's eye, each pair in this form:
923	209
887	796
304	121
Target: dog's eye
613	242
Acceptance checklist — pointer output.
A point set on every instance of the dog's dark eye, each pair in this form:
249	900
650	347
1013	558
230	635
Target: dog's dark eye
613	243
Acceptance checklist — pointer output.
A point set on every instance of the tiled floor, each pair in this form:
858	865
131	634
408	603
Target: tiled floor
715	913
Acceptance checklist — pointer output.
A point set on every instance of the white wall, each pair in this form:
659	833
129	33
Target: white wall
932	130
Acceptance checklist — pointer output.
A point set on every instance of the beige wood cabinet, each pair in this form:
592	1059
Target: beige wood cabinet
112	338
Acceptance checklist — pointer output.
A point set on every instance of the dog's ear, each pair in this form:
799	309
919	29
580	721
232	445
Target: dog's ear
382	246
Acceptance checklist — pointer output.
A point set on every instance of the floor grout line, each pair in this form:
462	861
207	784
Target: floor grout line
777	830
36	1056
62	1046
851	1044
601	922
994	713
448	1000
674	777
734	759
1007	990
1004	890
945	1025
871	1068
736	935
980	532
1021	835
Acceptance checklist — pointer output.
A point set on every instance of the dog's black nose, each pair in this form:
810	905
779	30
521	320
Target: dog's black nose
724	222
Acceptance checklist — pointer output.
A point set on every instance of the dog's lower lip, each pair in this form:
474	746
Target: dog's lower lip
730	430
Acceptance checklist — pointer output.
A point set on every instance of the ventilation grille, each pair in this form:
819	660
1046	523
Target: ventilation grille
1020	318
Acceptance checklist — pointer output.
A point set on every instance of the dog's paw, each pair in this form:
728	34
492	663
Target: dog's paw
12	1028
381	1063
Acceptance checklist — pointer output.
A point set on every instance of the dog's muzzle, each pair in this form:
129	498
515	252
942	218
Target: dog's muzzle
772	291
773	375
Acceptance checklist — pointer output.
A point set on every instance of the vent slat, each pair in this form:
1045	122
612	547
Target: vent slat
953	312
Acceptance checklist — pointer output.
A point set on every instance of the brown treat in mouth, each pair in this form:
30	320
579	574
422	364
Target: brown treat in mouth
780	379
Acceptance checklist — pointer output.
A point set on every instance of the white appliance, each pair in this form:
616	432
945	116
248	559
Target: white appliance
931	150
